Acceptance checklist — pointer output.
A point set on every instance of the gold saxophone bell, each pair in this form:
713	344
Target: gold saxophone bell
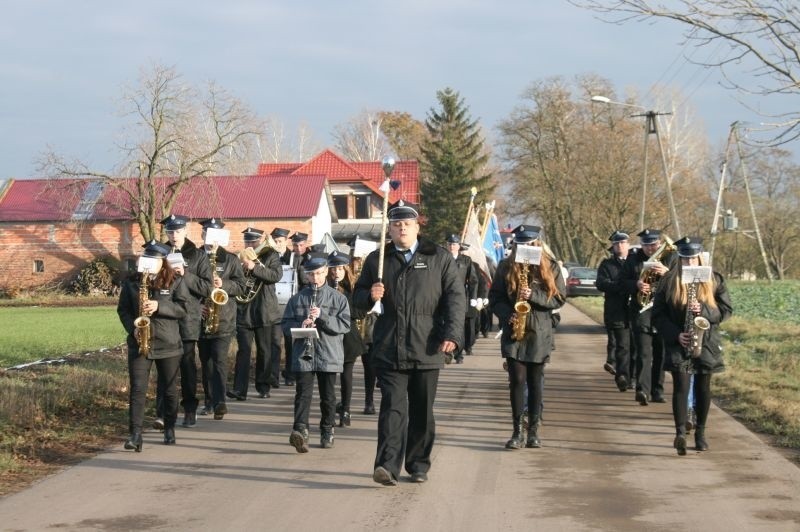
522	307
700	326
219	296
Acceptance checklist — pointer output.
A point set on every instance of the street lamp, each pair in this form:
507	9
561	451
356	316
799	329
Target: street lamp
650	127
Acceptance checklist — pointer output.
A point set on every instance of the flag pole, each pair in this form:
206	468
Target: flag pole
388	165
473	192
486	218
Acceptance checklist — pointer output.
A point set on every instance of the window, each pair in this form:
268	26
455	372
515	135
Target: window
362	206
340	203
130	265
38	266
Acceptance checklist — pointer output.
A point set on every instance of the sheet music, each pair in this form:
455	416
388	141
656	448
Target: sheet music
217	236
695	274
304	332
529	254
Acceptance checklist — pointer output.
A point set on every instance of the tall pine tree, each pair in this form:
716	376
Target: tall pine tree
453	161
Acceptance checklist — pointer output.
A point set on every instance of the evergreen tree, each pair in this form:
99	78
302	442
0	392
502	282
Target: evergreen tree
454	160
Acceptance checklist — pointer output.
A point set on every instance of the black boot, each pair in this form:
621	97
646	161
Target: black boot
134	441
344	418
680	443
189	420
369	408
700	442
533	441
518	436
326	440
169	435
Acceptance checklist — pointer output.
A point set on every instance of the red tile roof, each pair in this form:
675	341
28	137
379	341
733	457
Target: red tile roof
248	197
338	170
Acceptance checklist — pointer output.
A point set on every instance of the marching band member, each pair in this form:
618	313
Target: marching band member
280	237
321	307
615	310
342	279
215	341
151	304
422	322
649	345
676	305
469	279
526	345
257	313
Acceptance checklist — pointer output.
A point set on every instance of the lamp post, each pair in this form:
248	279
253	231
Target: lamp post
650	127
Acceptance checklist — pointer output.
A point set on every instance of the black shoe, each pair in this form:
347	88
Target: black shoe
680	444
344	419
274	382
460	360
658	399
158	423
206	410
220	411
369	409
189	420
642	398
326	440
299	440
169	436
622	383
233	394
134	441
381	475
264	395
609	368
632	384
700	443
533	441
419	477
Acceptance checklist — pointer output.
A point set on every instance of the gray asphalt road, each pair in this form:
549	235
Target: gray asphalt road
607	464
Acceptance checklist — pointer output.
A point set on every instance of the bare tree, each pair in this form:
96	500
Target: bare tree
404	133
360	139
762	39
177	136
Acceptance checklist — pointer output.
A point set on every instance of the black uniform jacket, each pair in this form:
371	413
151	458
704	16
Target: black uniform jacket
197	278
263	310
423	306
631	272
233	282
469	278
538	340
670	322
615	304
354	345
165	337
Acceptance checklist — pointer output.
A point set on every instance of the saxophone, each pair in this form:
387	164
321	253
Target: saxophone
217	298
648	276
521	307
696	325
142	330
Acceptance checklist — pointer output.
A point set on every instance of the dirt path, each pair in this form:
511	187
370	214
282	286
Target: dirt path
607	464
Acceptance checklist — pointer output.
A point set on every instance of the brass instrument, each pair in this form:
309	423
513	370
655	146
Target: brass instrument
521	307
252	284
696	325
215	300
309	346
142	329
648	276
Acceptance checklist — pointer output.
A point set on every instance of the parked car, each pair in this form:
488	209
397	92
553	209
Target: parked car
581	282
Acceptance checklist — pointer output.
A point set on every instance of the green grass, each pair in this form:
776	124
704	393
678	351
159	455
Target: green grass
32	333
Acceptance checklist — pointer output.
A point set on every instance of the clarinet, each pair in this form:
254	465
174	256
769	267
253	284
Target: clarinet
308	352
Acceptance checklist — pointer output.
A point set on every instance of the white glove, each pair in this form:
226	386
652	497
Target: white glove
479	304
473	302
485	302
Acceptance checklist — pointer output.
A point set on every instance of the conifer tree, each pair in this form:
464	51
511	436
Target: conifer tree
454	160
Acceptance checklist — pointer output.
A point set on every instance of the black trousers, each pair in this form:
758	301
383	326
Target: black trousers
276	348
406	428
214	360
618	349
245	337
486	321
304	388
649	362
369	378
287	349
469	333
346	384
139	376
188	366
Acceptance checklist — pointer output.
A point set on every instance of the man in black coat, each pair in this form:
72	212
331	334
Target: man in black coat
190	264
214	343
422	322
280	237
615	309
257	313
468	275
649	346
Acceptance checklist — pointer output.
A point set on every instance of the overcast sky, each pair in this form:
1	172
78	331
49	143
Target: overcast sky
319	62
